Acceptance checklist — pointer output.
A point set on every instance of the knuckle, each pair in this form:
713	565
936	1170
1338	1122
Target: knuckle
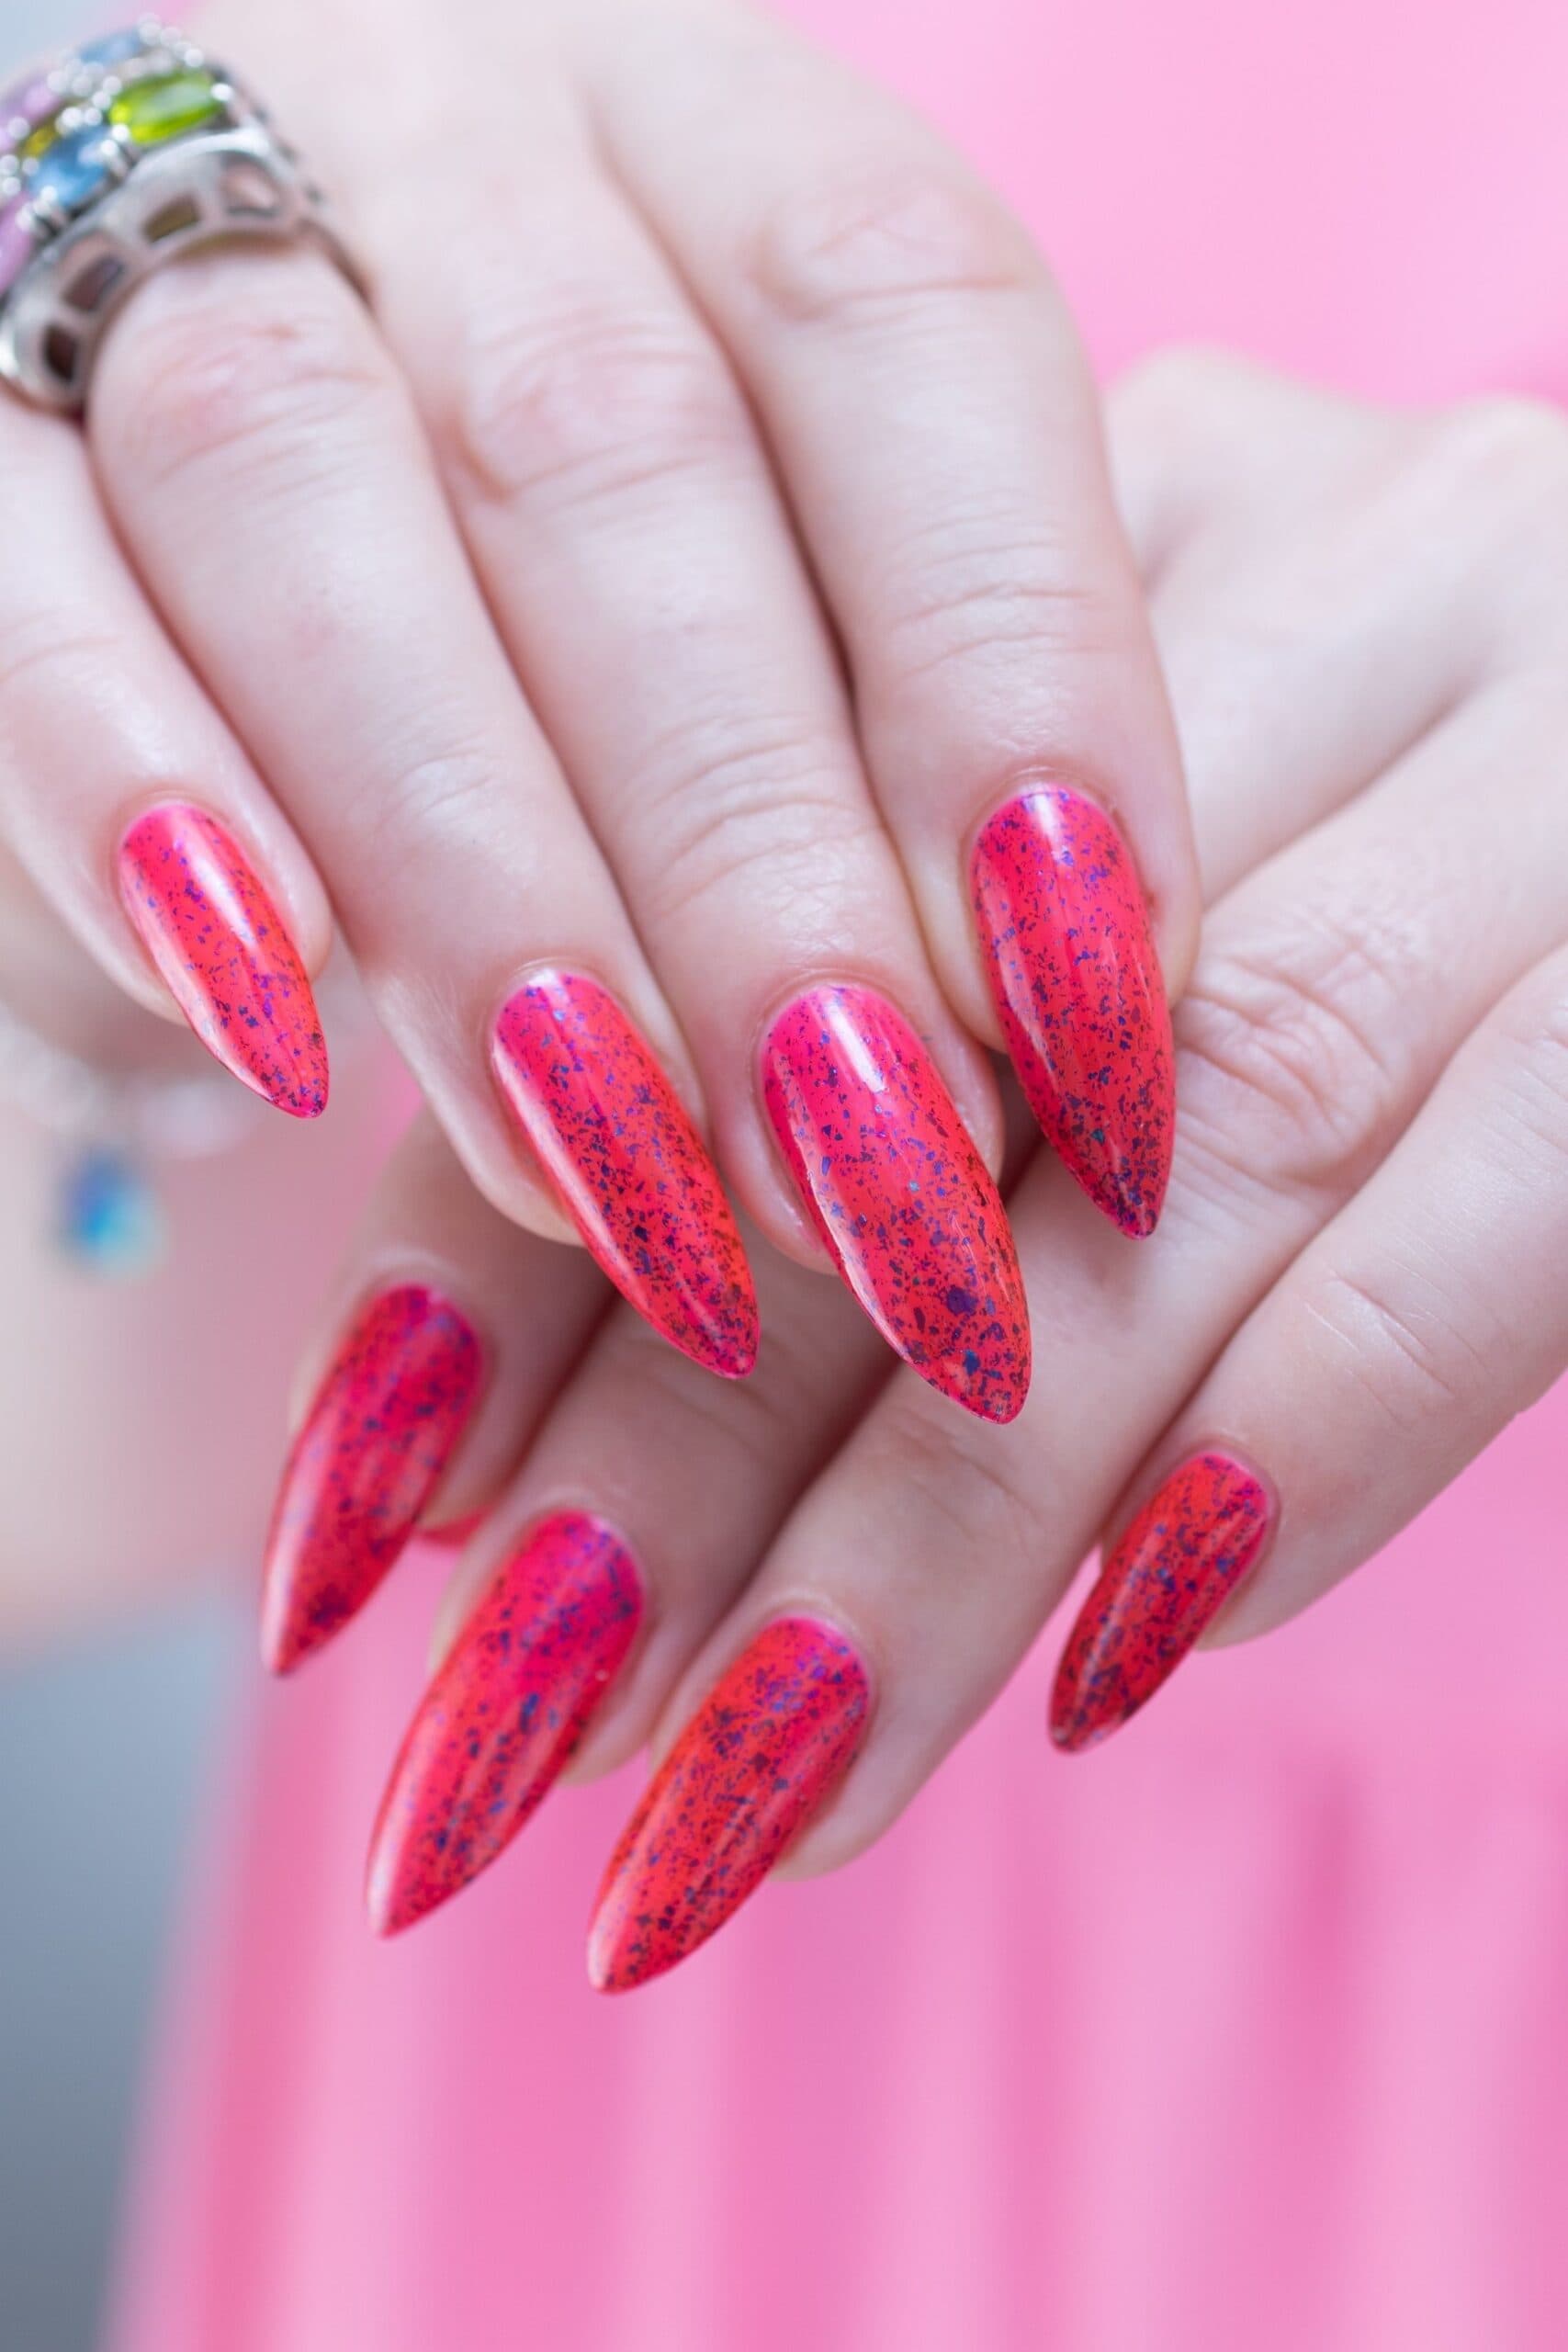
1181	384
1293	1067
668	1393
971	1492
888	236
975	589
1535	1025
736	804
401	808
56	655
1502	441
1413	1352
586	396
1498	470
260	382
758	1424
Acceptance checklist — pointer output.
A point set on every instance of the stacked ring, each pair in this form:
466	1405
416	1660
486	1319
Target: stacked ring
127	151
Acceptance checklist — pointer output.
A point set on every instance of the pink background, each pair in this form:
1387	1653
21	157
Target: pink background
1373	192
1248	2031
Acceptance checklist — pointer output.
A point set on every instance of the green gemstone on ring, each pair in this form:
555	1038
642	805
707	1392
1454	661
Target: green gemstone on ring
164	107
42	137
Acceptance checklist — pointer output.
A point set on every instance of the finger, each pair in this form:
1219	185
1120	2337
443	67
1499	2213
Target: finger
1218	464
448	1336
603	1570
641	563
919	382
129	801
261	455
1394	1348
1331	990
1199	438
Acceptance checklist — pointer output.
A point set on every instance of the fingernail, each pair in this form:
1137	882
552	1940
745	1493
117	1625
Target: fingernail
378	1438
608	1129
1079	992
222	952
898	1193
773	1739
503	1717
1187	1550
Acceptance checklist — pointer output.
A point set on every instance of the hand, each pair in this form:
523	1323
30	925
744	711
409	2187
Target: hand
719	445
166	1384
1356	1282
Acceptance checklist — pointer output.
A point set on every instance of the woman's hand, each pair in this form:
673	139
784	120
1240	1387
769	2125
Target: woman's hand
640	632
1360	1275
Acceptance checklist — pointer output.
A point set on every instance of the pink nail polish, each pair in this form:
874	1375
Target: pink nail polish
1079	992
608	1127
380	1431
503	1716
1185	1553
771	1742
898	1193
223	954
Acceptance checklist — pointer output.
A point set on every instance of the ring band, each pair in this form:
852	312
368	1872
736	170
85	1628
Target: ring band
130	151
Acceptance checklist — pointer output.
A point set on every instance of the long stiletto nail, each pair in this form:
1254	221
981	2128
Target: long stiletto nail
222	949
898	1193
379	1433
1187	1550
608	1129
503	1716
773	1739
1079	992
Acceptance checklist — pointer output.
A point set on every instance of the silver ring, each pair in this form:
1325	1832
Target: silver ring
128	151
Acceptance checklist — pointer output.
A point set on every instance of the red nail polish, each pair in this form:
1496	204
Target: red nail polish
378	1436
608	1129
1186	1551
898	1193
223	954
1079	992
773	1739
503	1716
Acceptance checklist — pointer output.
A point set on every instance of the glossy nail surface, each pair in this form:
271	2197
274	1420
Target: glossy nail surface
1079	992
379	1433
773	1739
1187	1550
898	1193
608	1127
505	1715
223	954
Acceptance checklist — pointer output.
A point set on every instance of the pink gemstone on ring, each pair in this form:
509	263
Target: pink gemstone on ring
17	246
31	102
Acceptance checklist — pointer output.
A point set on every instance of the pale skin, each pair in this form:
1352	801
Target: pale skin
658	586
1363	616
1356	1281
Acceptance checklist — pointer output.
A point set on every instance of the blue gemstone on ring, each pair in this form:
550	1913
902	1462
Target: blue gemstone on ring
108	1220
111	49
74	170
